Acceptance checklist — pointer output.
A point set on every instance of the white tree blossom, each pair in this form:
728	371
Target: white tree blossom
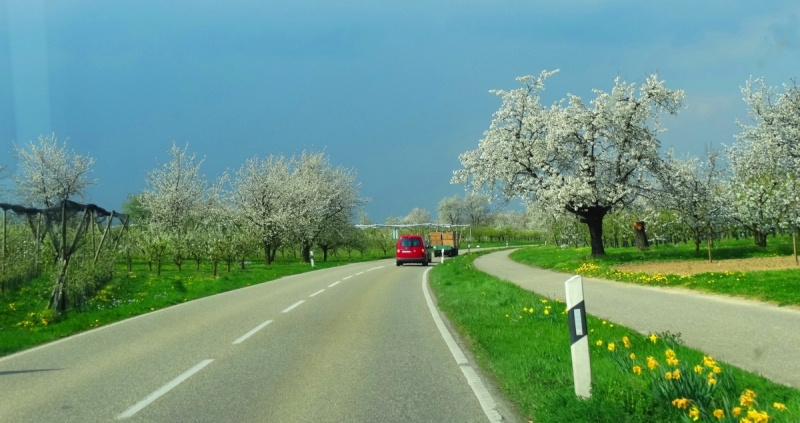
760	190
318	195
476	209
776	118
693	189
174	200
585	159
451	210
49	173
260	193
417	216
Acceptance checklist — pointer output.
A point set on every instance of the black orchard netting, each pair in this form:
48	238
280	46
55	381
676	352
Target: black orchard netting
67	225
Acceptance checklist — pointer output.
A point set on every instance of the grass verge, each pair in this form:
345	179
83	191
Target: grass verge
25	321
528	354
777	286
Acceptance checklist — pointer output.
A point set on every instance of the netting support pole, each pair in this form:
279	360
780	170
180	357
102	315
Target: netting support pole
3	265
102	238
38	243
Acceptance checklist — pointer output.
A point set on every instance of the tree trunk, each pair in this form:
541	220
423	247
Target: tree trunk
306	253
267	255
594	220
760	239
640	235
324	254
215	268
696	241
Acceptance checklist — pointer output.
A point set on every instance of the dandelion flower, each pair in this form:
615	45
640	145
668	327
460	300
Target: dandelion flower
719	414
611	346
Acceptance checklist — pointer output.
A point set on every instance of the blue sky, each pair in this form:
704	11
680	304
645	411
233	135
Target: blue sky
395	90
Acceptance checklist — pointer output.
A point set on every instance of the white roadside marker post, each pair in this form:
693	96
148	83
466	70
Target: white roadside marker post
578	336
312	258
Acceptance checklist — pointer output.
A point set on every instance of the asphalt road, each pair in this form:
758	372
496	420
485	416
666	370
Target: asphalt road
755	336
362	346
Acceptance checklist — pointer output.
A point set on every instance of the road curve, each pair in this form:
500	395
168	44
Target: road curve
755	336
352	343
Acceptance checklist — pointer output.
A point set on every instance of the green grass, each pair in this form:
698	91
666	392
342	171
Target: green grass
25	321
777	286
529	355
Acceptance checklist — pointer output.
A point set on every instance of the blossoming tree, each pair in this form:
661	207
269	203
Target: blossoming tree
585	159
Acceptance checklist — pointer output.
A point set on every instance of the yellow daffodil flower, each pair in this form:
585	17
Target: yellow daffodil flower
779	406
719	414
681	403
611	346
637	370
653	338
626	342
736	411
633	356
694	414
599	343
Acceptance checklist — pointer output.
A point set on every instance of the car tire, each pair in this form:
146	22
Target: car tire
399	263
425	263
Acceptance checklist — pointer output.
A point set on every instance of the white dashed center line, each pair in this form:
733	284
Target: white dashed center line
333	284
318	292
163	390
293	306
359	273
249	334
344	279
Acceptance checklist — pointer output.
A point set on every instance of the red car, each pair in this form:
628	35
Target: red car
412	249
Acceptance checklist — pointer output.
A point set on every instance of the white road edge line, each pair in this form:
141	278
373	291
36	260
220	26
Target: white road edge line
288	309
344	279
333	284
249	334
318	292
163	390
478	388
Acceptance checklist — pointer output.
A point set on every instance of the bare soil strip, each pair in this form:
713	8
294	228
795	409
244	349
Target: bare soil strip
693	267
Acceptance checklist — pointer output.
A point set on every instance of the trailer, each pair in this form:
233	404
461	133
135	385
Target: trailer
444	243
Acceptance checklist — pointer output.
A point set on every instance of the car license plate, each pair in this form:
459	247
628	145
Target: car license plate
406	251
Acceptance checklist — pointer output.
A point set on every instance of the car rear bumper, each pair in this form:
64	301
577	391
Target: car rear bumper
412	260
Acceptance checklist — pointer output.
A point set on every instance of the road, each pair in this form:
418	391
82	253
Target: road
752	335
357	343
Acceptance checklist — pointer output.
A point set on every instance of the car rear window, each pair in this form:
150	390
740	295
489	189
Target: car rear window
409	242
